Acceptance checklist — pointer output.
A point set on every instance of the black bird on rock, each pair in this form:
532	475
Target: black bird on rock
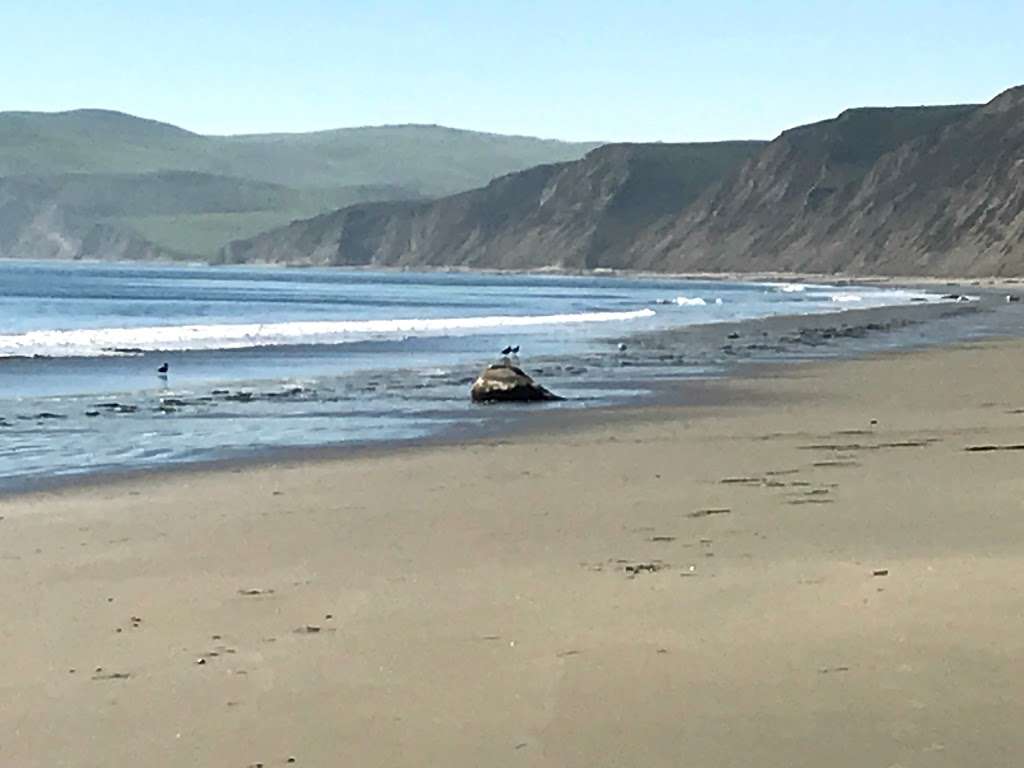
506	351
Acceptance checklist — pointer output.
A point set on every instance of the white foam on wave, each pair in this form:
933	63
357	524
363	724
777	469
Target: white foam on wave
686	301
845	298
100	342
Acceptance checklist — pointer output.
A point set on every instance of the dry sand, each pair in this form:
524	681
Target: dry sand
658	587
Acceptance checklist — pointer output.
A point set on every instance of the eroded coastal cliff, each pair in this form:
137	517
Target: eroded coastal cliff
893	191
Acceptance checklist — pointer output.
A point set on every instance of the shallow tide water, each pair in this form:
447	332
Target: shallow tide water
268	358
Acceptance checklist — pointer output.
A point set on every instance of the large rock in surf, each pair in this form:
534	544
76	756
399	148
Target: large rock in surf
504	382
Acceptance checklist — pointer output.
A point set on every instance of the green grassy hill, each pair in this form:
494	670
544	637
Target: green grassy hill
430	159
192	194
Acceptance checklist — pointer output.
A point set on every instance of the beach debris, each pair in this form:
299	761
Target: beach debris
174	402
290	759
710	511
201	661
734	335
572	652
690	570
834	447
880	572
115	407
504	382
991	448
308	629
831	670
663	538
101	675
255	592
848	447
635	569
622	347
741	480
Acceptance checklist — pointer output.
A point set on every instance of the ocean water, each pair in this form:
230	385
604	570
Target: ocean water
264	358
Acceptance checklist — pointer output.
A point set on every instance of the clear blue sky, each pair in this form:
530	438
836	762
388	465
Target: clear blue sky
570	69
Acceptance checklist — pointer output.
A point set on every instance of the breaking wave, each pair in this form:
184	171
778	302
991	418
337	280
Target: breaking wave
103	342
688	301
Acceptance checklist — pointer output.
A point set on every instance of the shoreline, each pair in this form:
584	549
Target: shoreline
670	390
839	278
813	568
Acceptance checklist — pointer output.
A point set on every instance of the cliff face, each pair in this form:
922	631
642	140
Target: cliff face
898	191
576	215
933	191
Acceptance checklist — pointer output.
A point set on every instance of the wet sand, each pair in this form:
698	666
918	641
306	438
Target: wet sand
815	571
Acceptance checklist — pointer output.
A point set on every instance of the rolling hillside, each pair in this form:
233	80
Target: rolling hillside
189	194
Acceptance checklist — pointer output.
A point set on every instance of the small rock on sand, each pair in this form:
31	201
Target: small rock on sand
504	382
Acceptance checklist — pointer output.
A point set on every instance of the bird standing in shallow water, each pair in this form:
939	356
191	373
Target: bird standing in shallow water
163	369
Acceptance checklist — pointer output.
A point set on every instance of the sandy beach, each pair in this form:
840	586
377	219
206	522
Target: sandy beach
820	567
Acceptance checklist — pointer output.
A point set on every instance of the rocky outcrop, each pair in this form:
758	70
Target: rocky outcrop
504	382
